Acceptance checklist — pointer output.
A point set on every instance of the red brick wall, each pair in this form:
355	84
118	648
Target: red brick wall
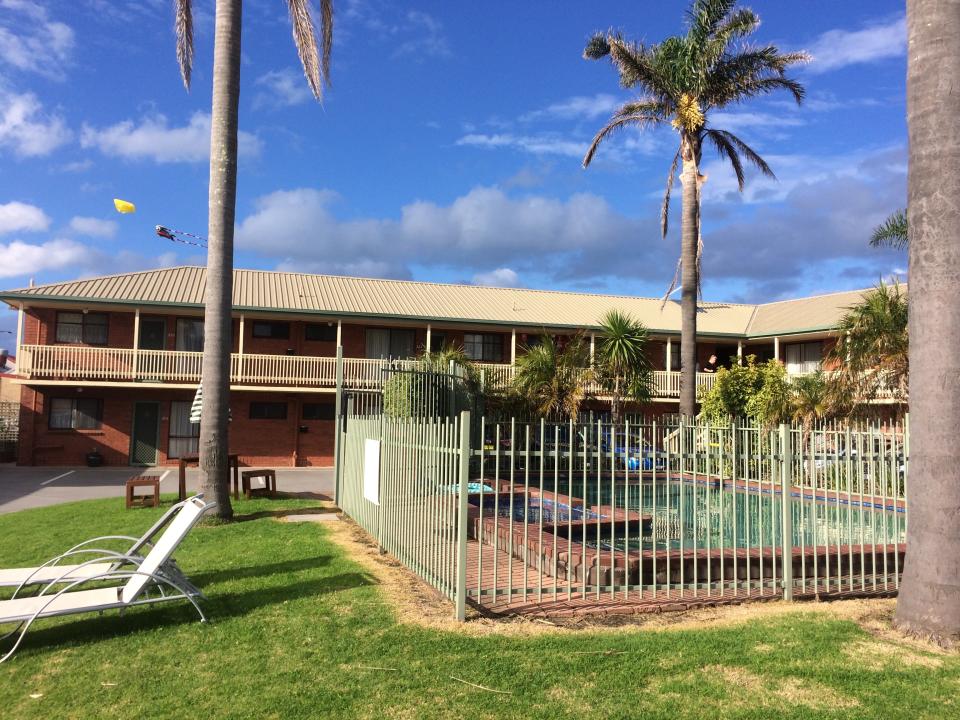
260	443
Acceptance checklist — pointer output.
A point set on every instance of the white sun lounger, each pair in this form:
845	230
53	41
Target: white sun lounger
53	571
147	583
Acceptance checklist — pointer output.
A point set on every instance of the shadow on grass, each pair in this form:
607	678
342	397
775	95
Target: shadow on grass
218	607
252	571
260	514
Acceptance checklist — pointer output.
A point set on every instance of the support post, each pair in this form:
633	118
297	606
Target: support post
513	347
593	346
136	343
338	429
429	348
786	511
19	334
776	348
339	332
461	594
739	352
240	369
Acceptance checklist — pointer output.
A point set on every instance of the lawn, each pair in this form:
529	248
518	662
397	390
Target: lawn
301	628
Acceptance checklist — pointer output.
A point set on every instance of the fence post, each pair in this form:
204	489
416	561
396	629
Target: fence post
786	510
461	599
338	428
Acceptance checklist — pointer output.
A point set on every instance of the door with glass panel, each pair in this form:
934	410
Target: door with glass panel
145	433
184	436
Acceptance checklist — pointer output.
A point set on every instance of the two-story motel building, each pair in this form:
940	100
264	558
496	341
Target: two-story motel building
112	363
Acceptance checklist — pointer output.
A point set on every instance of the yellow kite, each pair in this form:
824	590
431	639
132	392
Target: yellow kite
123	206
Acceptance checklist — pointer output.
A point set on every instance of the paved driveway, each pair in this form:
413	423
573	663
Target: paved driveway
29	487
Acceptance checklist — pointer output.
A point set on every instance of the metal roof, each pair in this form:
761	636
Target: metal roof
334	295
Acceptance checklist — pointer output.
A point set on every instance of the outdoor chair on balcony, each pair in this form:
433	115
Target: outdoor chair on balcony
150	580
97	556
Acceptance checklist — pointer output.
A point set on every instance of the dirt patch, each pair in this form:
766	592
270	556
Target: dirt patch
882	655
415	602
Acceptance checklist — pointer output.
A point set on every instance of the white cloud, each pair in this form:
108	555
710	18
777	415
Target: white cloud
280	89
534	144
427	37
93	227
411	33
586	107
839	48
501	277
154	139
17	216
32	42
580	236
26	129
736	121
20	258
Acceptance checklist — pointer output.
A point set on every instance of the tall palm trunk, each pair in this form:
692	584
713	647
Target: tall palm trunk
218	324
689	282
929	603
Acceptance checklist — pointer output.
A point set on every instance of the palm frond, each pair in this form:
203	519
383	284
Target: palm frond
316	63
893	232
597	47
665	208
183	24
634	62
705	16
616	123
731	143
725	147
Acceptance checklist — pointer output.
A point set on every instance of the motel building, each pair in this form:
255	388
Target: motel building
112	363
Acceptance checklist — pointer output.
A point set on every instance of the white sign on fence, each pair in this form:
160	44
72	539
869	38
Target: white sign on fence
371	471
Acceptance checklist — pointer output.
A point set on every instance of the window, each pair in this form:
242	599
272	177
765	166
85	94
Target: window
78	327
320	332
318	411
190	335
674	357
389	343
268	411
184	435
437	341
485	348
268	329
804	357
75	413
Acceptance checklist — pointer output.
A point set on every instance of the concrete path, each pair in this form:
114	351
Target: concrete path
30	487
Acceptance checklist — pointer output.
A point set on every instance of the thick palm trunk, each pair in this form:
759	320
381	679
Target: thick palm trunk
689	282
218	324
929	603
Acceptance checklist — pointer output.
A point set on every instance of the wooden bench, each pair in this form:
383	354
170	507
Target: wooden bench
269	476
150	481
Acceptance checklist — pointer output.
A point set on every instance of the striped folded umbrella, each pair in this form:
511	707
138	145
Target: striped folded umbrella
197	407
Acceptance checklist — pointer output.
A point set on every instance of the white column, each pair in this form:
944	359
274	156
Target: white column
593	346
776	348
339	331
19	333
240	368
136	343
739	352
513	347
429	336
669	354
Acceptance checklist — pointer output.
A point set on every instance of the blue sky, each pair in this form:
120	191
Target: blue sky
448	148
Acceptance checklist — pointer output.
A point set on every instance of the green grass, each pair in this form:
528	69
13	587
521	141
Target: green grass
294	620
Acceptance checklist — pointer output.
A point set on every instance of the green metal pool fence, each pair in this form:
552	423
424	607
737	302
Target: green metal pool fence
506	513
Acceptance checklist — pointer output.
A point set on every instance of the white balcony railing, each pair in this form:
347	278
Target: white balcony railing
69	362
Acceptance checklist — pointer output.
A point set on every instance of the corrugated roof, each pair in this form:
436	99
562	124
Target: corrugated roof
337	295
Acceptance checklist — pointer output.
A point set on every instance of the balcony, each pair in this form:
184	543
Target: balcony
127	365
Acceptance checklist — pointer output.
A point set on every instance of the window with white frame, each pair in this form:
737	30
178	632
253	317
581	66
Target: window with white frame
78	327
804	357
390	343
190	334
184	435
75	413
483	347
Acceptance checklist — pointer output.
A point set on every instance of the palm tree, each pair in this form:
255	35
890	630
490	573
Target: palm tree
929	601
893	232
680	81
809	402
621	362
218	295
554	379
872	355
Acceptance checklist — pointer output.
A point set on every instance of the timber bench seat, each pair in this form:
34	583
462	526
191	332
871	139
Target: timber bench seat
269	477
147	481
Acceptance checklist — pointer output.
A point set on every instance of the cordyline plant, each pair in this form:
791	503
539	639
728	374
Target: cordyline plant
218	295
680	81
